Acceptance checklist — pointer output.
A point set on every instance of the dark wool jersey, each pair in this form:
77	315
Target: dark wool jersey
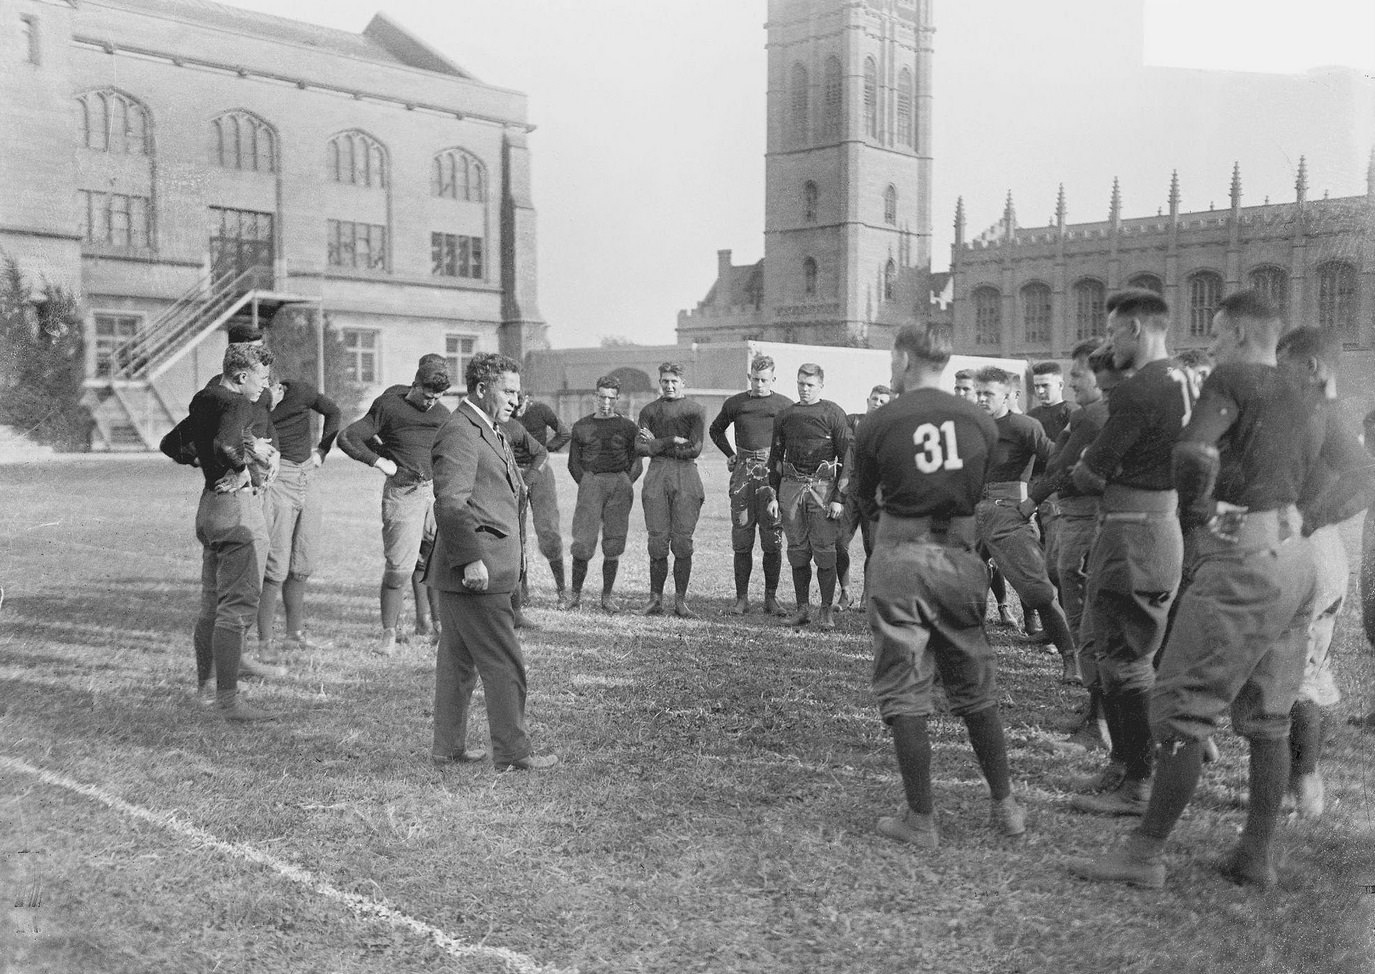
602	446
528	450
291	420
1055	418
262	416
807	436
1145	416
398	430
1084	426
539	420
1268	434
1022	449
221	426
667	418
1342	483
753	418
926	453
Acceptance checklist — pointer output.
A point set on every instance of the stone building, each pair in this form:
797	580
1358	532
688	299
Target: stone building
180	163
1035	292
847	226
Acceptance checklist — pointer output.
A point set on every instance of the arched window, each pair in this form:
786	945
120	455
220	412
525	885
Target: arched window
1089	318
833	103
905	108
1273	284
870	98
809	277
810	195
1036	313
988	316
890	205
890	280
112	121
1205	291
241	140
457	174
1337	297
1148	282
357	159
798	92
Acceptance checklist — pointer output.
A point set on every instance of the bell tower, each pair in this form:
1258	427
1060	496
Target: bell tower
847	226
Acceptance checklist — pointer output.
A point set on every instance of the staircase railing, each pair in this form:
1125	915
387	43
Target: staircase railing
187	316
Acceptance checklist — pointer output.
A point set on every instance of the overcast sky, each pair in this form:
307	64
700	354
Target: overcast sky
649	148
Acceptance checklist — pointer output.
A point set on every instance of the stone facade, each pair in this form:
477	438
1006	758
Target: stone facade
1035	292
154	144
847	227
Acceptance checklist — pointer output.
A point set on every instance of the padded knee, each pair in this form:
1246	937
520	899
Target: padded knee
825	558
612	548
799	557
681	547
658	548
397	579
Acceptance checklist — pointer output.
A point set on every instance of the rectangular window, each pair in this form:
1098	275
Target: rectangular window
458	349
114	219
362	346
32	41
358	245
112	331
453	255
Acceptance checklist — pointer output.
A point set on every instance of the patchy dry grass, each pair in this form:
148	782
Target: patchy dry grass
713	812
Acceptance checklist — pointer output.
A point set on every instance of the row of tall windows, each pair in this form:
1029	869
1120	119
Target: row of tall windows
799	105
1337	303
363	354
112	121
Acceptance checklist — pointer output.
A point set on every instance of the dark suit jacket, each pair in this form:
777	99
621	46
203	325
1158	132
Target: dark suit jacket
476	486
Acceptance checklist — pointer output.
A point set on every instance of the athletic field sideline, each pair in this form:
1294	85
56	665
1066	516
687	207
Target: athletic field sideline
713	809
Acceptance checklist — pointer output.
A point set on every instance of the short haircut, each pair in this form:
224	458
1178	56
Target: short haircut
1100	360
931	343
432	376
880	390
609	382
671	368
963	374
1249	304
1138	302
1322	344
243	357
434	358
1194	358
810	369
238	334
762	363
1086	348
991	373
486	367
1047	368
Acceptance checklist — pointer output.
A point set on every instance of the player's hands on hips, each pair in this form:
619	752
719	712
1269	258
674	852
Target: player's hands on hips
475	577
316	460
1026	508
834	510
772	509
730	462
386	466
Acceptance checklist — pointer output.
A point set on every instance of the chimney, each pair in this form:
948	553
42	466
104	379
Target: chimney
722	263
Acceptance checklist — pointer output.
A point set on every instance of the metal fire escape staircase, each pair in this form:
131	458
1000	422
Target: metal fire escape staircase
143	415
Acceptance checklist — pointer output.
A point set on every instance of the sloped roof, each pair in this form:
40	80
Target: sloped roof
369	46
738	286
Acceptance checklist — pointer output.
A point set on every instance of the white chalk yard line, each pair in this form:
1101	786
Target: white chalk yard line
360	905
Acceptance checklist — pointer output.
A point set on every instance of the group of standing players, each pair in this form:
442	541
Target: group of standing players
1186	562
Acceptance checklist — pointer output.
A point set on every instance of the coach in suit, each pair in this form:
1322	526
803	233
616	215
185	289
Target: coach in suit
475	566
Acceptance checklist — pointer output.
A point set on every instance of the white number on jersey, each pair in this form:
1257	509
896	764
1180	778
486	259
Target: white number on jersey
937	448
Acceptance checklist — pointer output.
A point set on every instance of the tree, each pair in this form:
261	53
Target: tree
42	361
617	341
294	340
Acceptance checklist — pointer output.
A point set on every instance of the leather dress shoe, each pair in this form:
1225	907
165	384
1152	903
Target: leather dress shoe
531	762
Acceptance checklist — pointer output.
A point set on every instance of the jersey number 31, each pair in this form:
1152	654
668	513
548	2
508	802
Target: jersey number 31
936	447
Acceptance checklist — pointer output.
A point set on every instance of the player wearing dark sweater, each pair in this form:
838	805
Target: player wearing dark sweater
927	454
1239	640
396	437
293	509
670	433
603	463
811	440
752	414
542	501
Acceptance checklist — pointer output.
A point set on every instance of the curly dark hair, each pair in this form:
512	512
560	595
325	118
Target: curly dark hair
485	367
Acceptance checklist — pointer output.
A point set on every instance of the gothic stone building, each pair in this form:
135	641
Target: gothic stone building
1035	292
847	227
179	163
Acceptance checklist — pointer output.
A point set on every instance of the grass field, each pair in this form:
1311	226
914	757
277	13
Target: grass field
713	811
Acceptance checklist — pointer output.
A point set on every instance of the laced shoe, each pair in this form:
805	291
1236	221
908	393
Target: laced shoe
802	616
1136	862
609	605
236	711
681	609
1129	798
844	602
910	827
387	647
1249	866
1005	616
1007	818
741	606
826	618
1107	779
654	607
531	762
259	670
572	602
